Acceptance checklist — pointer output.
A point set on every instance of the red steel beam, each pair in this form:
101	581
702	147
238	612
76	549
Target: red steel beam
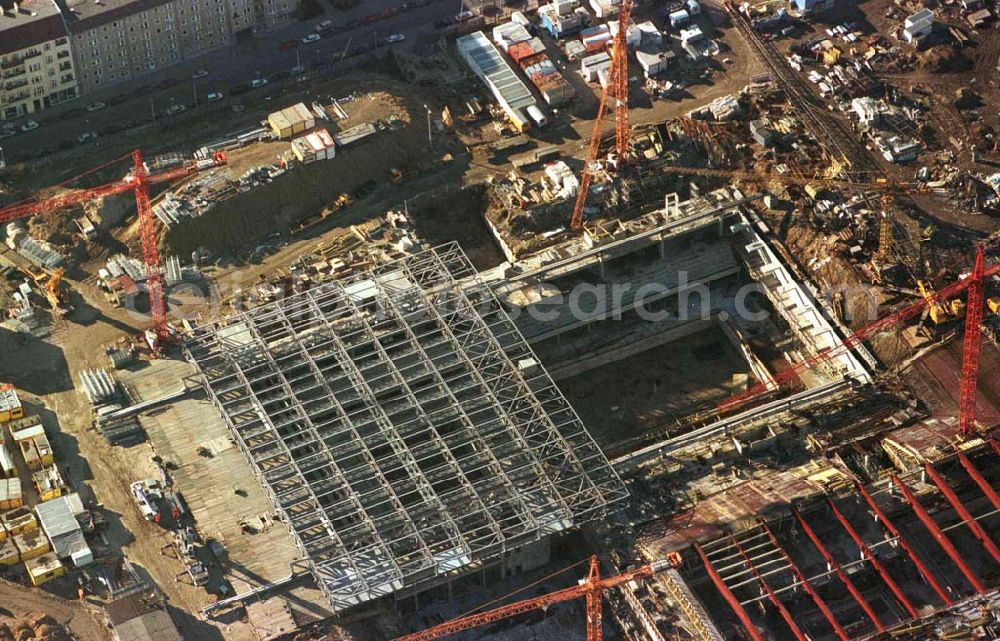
981	481
977	530
817	599
867	554
938	535
728	595
832	563
903	543
785	614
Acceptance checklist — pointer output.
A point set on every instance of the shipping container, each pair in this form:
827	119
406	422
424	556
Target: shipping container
31	545
44	569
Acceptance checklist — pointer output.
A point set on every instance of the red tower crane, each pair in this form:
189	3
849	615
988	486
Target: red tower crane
616	87
592	588
970	348
139	182
975	283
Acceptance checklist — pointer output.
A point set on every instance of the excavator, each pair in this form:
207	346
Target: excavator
940	312
51	285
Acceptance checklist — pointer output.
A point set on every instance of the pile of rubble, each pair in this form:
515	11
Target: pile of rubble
33	626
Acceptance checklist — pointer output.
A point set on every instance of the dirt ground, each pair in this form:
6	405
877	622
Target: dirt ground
628	398
457	215
83	621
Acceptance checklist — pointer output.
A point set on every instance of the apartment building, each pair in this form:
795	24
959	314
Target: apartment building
116	40
36	61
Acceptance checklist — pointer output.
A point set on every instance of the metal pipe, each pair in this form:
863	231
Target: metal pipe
949	494
938	535
730	598
785	614
867	553
981	481
817	599
903	543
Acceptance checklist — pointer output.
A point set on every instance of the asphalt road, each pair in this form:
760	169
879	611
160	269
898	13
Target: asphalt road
141	100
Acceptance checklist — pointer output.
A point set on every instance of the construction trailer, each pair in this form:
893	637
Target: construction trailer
316	145
43	569
11	496
10	404
33	443
291	120
413	366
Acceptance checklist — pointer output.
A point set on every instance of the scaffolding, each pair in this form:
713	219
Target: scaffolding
401	426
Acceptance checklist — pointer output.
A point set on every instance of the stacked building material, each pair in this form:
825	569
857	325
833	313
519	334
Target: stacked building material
99	386
546	78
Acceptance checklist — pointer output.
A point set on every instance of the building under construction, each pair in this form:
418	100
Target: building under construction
402	427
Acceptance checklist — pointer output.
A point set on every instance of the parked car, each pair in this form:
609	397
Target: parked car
215	96
396	37
87	135
323	26
7	131
173	110
257	83
298	70
30	125
311	38
96	106
201	73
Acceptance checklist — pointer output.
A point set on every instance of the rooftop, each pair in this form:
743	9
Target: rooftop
84	14
28	23
402	426
141	617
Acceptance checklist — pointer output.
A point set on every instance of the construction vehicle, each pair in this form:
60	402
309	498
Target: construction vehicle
138	181
940	312
52	286
592	588
147	495
337	204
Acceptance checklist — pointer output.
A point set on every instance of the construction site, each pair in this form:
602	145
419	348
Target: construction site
570	321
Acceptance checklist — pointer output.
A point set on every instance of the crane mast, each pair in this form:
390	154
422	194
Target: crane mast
971	346
617	86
